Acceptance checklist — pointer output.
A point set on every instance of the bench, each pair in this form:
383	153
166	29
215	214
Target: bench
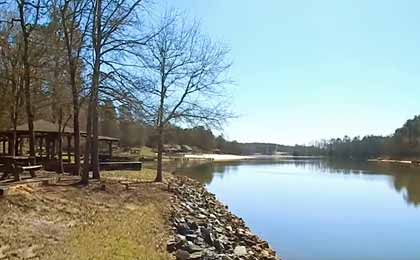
16	165
31	168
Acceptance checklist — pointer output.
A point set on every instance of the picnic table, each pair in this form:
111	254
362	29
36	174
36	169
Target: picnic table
18	164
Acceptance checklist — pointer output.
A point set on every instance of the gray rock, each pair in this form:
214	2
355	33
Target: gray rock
218	229
218	245
205	230
191	247
181	237
170	246
182	255
207	236
191	237
183	229
196	256
226	257
240	251
192	225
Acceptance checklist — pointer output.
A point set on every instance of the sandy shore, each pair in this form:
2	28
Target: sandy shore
391	161
218	157
232	157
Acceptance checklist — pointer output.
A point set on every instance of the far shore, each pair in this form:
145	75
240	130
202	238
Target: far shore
394	161
233	157
218	157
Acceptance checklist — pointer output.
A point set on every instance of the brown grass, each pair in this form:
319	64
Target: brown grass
137	234
145	175
102	221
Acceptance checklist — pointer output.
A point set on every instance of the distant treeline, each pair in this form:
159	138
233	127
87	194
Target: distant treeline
404	143
134	132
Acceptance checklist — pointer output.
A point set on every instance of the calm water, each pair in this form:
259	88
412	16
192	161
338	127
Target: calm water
323	210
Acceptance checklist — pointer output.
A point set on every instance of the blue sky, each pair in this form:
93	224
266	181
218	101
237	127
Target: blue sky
307	70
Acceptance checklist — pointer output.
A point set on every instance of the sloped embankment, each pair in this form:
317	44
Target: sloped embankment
205	229
105	220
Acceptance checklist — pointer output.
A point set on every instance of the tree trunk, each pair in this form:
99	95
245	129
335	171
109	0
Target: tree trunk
97	40
159	175
15	117
28	103
60	153
72	61
76	125
17	140
87	163
27	80
60	142
12	141
161	125
95	141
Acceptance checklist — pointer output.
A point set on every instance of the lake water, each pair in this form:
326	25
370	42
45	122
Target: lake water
323	210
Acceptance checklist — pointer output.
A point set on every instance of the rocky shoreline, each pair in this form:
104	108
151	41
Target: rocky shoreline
204	229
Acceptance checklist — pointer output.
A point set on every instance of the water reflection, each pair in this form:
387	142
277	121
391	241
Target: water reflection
203	173
405	178
410	187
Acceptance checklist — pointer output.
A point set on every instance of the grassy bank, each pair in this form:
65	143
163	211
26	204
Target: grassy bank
136	233
106	220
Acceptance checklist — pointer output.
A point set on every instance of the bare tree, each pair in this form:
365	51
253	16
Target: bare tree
62	120
30	13
11	70
75	21
186	74
28	17
111	39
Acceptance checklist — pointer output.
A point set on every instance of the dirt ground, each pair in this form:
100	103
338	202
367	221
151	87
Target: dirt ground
106	220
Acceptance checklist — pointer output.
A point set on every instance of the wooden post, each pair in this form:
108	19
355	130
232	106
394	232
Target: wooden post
47	147
41	148
17	146
21	146
36	148
21	141
69	147
4	147
9	146
15	171
110	149
53	148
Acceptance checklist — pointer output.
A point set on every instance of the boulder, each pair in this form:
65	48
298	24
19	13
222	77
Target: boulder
183	229
182	255
196	256
240	251
207	236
